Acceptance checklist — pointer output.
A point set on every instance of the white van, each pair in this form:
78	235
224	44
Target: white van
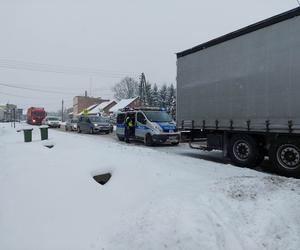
151	125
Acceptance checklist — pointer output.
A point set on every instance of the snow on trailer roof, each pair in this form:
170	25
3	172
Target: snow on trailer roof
122	104
248	29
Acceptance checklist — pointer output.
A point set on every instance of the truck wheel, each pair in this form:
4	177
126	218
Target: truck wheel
148	140
285	154
243	151
78	130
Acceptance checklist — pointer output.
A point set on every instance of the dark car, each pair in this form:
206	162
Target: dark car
94	124
71	125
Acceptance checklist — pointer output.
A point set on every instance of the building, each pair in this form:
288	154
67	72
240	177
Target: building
10	112
127	103
83	102
103	108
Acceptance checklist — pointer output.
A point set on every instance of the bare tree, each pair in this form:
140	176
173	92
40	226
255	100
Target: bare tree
126	88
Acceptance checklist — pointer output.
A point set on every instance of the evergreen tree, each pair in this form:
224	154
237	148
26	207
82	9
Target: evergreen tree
155	96
163	92
148	93
171	100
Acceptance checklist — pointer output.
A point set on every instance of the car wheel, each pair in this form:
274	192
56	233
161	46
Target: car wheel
148	140
285	154
243	151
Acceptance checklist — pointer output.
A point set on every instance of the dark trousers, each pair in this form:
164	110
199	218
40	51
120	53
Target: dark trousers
127	133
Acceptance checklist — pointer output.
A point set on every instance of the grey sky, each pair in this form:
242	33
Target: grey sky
79	45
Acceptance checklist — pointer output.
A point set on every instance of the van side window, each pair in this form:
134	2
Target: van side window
141	118
120	118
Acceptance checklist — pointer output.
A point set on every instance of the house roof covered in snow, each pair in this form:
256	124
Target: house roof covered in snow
89	108
122	104
100	107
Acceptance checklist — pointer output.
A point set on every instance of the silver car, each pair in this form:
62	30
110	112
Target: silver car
71	125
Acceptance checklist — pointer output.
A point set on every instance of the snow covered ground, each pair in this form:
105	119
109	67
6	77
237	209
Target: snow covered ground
157	198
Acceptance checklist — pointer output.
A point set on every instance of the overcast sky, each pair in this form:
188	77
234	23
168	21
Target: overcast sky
60	48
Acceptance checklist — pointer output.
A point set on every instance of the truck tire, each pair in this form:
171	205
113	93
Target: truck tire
285	155
148	140
243	151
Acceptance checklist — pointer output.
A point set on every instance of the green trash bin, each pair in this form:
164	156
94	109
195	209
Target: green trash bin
27	135
44	133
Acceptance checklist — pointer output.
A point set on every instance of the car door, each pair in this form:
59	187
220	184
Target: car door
87	124
141	125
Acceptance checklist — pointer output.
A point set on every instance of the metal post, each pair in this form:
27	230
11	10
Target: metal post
14	112
62	110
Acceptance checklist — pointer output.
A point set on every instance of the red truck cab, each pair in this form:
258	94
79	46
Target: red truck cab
35	115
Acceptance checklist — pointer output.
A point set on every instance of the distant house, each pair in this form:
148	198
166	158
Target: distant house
127	103
10	112
83	102
103	107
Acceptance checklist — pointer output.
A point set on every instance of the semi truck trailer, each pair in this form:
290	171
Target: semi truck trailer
240	93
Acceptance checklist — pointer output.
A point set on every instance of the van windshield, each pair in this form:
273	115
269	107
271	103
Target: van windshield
158	116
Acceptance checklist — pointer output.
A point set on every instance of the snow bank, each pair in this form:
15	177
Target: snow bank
155	199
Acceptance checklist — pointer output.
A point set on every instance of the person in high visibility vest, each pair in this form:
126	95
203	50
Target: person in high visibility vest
128	128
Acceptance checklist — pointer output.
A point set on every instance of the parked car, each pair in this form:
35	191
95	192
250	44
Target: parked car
52	121
71	125
94	124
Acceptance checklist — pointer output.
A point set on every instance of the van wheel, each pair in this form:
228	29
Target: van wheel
78	130
243	151
285	154
121	138
148	140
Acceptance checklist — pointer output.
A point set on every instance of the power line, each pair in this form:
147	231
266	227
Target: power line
26	97
36	89
59	69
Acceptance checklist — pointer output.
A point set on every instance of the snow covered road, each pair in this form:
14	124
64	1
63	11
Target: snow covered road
157	198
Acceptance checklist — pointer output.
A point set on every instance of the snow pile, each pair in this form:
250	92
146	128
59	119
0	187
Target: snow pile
155	198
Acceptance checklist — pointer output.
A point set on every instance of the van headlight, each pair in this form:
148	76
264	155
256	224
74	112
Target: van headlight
157	127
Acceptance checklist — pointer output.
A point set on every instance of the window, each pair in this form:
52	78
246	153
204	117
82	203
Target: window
120	118
141	118
158	116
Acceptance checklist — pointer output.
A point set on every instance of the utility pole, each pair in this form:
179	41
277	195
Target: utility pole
142	88
62	110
